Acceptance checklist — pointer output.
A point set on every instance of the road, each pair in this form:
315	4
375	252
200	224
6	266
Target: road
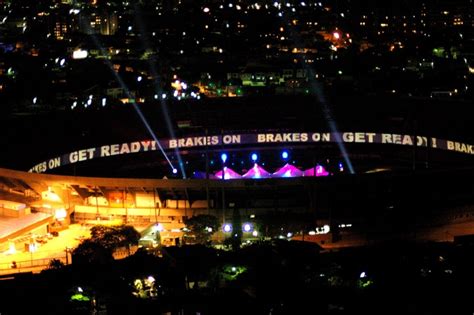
442	233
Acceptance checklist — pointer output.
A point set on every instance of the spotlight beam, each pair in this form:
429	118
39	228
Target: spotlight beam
317	90
158	90
127	91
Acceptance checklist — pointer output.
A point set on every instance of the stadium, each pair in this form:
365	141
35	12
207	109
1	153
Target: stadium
368	133
383	167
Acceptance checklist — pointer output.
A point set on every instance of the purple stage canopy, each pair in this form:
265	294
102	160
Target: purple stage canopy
320	171
256	172
228	174
288	171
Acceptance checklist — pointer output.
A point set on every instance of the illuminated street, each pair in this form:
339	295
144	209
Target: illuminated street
54	248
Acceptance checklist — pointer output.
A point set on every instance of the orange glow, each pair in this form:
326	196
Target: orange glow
60	214
176	85
337	38
119	199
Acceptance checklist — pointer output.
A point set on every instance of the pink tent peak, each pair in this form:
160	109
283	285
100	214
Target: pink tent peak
228	174
320	171
256	172
288	171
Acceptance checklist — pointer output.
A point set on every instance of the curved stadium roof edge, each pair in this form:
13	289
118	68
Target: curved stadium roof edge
228	140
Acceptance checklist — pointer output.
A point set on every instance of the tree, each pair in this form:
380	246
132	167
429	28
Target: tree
98	231
128	236
55	264
236	238
202	227
276	224
105	236
113	237
91	252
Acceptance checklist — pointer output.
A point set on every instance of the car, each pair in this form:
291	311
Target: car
42	239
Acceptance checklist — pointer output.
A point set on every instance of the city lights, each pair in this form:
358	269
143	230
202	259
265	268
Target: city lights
236	156
80	54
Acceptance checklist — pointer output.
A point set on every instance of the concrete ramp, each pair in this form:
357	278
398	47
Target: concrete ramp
13	227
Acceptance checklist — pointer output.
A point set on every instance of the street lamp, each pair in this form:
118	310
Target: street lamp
158	227
247	227
223	159
254	157
68	251
227	228
96	195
